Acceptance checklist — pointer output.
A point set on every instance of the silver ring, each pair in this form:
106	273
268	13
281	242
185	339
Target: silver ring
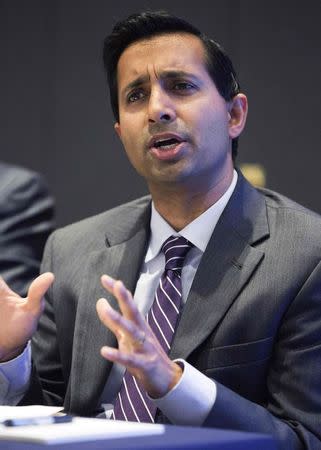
142	340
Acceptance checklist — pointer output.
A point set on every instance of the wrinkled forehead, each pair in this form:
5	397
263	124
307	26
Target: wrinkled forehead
172	51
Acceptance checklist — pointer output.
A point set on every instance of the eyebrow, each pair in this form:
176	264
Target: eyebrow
135	83
166	74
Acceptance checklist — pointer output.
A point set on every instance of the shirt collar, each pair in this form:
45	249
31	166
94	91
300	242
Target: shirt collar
198	232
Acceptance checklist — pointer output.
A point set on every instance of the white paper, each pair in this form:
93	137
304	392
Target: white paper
79	430
18	412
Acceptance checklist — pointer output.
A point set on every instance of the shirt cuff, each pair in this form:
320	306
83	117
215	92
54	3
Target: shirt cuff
195	394
15	377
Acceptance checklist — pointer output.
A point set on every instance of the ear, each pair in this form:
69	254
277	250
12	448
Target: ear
117	129
237	113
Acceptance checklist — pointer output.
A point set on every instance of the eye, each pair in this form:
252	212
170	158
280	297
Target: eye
136	95
183	86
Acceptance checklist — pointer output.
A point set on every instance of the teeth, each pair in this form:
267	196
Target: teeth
167	146
165	143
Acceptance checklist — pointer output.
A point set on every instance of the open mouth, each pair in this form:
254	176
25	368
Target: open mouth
166	143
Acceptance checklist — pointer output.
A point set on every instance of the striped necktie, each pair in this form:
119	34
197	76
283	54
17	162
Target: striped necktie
132	402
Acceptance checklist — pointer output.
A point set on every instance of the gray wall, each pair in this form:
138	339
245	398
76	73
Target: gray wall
54	111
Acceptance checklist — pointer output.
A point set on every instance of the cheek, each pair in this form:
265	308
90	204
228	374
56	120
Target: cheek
218	128
212	136
215	121
131	126
207	117
127	134
132	144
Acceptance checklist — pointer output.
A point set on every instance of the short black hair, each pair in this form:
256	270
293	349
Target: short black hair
148	24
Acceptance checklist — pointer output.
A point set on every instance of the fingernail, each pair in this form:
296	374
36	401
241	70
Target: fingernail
108	281
107	351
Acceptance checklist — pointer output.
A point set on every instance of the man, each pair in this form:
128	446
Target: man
244	352
26	220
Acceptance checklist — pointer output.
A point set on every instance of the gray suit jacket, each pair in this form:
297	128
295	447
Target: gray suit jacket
26	220
252	320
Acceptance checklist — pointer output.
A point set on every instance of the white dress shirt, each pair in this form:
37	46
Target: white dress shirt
194	393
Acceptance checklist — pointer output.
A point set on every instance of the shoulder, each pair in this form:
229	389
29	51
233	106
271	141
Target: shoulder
128	212
21	190
294	229
10	173
15	179
290	212
110	227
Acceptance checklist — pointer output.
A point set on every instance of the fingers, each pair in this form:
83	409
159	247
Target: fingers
138	348
129	360
124	298
118	324
106	314
38	288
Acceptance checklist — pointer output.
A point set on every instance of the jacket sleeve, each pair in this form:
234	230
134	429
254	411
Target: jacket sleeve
292	411
26	220
47	382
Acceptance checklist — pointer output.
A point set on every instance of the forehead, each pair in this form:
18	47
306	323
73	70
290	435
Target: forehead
173	51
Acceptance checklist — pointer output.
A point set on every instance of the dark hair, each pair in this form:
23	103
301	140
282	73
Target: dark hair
151	23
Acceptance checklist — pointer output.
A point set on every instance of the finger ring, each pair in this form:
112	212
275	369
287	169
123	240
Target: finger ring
142	339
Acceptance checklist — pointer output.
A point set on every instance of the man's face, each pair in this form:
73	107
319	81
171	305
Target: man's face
174	124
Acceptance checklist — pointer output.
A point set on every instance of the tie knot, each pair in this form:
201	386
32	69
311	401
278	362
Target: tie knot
175	249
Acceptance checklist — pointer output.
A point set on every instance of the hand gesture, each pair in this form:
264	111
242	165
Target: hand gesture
19	316
138	348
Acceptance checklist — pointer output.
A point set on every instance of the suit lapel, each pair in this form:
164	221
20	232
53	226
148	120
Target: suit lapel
228	262
89	370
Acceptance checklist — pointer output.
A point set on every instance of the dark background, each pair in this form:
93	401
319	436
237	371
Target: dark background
54	110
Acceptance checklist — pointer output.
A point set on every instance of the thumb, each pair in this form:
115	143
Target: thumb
38	288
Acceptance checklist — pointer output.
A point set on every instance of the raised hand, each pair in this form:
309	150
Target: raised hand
19	316
138	348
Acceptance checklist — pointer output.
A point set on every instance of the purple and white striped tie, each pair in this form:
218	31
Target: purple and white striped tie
132	403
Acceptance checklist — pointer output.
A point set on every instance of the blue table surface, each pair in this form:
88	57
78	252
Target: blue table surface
174	438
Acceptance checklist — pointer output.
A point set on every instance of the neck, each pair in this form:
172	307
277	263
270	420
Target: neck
180	205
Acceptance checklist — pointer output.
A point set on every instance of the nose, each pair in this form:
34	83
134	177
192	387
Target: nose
160	107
